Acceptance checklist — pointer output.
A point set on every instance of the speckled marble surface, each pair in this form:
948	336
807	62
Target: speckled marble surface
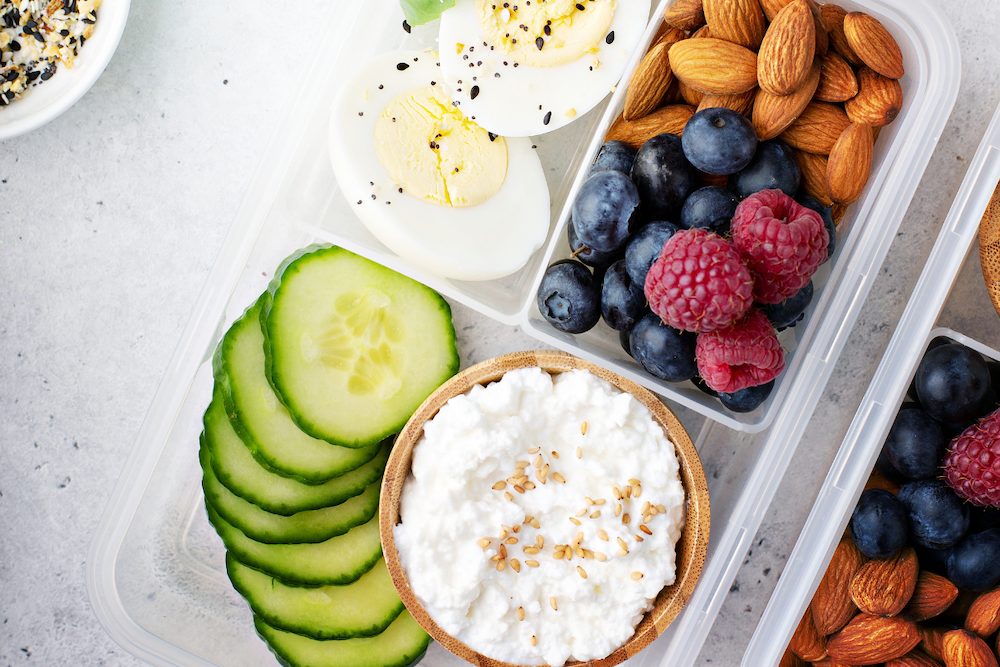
114	214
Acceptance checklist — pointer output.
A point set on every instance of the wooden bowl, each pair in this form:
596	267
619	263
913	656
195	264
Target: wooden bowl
691	548
989	248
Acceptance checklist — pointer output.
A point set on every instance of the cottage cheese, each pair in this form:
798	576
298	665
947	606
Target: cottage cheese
541	517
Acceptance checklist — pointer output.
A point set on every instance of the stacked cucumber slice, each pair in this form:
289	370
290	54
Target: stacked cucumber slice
311	384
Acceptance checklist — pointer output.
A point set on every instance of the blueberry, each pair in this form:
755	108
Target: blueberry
623	340
719	141
885	466
710	208
915	444
789	312
666	353
879	524
614	156
586	254
938	517
644	248
663	176
825	212
974	563
953	383
774	166
747	400
602	211
699	382
622	301
568	297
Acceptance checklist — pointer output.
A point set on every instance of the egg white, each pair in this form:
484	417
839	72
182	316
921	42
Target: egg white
525	101
483	242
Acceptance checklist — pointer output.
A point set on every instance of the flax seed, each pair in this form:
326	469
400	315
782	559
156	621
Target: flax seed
528	486
637	575
531	563
534	640
485	542
603	534
644	528
501	565
519	488
520	613
623	546
500	486
580	571
626	518
555	454
579	453
576	522
584	427
507	495
557	476
596	514
554	604
515	565
600	556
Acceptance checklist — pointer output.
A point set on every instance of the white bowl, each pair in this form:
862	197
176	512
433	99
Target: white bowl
42	103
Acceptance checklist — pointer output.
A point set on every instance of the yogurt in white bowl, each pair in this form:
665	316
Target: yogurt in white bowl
540	517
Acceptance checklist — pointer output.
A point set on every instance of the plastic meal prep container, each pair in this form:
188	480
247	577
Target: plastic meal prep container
155	572
950	300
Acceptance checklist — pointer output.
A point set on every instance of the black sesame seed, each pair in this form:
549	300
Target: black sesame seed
580	7
547	30
493	137
539	42
610	38
402	66
474	93
406	26
547	118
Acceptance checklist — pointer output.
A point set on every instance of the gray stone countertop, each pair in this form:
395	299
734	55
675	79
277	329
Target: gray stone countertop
113	215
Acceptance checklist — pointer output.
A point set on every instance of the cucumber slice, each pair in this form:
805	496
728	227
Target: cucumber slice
260	419
237	469
401	644
337	561
362	609
353	348
305	527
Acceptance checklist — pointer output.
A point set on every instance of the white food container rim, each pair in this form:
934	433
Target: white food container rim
685	638
861	446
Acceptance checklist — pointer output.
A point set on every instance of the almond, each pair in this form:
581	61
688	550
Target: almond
868	639
772	7
984	614
830	662
878	101
713	65
813	168
932	641
873	44
806	642
788	49
914	659
837	81
961	648
881	587
773	113
789	659
737	21
832	606
741	103
685	15
817	129
701	33
932	596
670	119
822	35
889	589
833	18
650	82
689	94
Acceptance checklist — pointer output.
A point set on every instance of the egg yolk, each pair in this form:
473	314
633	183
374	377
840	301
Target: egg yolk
546	33
433	151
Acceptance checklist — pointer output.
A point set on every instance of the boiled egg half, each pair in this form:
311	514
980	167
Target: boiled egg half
526	67
427	180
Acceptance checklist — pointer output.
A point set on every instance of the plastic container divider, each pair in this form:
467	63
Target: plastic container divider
155	573
843	485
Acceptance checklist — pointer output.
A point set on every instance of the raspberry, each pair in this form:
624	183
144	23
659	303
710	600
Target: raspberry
782	242
746	354
972	464
699	283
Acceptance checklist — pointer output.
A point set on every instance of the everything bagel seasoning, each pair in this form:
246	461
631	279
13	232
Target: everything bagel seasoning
36	36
